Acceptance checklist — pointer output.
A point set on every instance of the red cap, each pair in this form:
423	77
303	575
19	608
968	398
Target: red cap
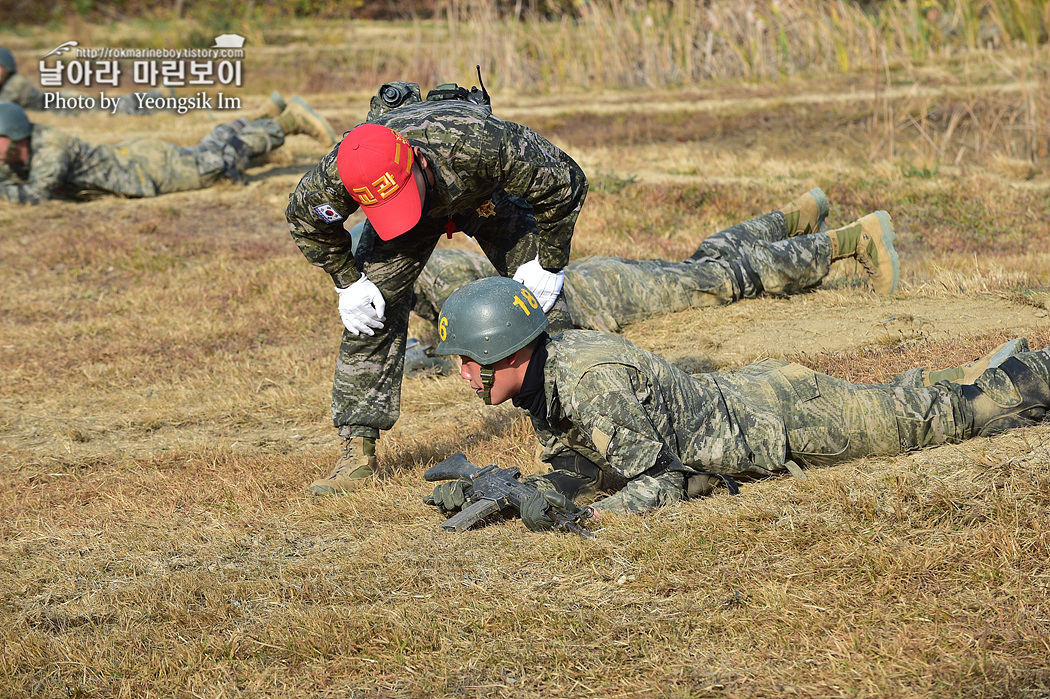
375	165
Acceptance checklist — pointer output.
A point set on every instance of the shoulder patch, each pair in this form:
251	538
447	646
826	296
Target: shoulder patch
328	213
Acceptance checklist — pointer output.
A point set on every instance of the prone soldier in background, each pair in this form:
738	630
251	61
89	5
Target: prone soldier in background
784	252
39	162
781	253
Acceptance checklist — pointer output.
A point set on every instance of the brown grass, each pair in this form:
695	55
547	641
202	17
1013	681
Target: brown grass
164	374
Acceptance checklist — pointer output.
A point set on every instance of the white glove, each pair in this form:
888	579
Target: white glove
544	285
362	307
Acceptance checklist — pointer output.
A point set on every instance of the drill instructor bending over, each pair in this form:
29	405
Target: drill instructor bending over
421	171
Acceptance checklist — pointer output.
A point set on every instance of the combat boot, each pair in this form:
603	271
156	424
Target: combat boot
968	373
272	108
807	214
299	117
990	417
353	470
869	240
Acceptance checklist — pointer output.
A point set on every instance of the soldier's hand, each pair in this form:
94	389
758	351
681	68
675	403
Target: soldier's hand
448	496
544	285
362	307
534	510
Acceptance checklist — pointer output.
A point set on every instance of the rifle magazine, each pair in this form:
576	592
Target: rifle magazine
471	515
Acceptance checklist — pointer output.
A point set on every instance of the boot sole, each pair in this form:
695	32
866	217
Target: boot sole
1006	350
969	373
823	206
887	243
326	490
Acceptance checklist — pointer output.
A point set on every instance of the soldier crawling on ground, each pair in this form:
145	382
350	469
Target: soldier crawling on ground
618	421
781	253
39	162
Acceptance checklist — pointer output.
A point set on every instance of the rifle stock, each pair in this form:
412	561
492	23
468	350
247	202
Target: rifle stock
452	468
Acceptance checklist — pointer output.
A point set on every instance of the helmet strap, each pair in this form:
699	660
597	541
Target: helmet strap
488	377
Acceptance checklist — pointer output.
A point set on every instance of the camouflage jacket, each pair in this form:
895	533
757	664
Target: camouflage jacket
472	153
61	166
628	410
22	92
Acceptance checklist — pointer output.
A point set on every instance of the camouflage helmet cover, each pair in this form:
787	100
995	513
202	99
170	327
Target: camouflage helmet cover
489	319
13	122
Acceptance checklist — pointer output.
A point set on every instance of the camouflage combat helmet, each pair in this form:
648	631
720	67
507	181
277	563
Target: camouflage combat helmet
488	320
13	122
7	60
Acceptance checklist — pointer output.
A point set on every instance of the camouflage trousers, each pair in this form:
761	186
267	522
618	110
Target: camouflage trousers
608	293
366	391
828	421
227	150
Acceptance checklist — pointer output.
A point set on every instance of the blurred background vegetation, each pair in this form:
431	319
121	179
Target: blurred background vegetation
995	51
609	43
921	23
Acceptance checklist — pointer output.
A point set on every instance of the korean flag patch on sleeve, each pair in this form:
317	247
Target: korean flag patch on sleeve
328	213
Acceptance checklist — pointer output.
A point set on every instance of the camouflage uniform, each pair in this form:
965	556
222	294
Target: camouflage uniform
63	166
648	426
499	182
19	90
608	293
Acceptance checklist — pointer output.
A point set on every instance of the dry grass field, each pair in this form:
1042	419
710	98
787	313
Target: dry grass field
165	368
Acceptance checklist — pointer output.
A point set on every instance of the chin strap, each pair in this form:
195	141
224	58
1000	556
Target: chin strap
488	376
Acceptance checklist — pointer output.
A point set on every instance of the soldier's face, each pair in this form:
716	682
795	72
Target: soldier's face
506	383
13	152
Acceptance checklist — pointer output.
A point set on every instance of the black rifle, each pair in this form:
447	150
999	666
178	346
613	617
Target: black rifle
494	489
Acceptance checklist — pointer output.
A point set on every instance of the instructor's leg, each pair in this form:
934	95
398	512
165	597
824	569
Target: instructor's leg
366	389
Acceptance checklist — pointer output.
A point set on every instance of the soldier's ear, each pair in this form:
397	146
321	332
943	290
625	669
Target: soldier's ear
517	359
420	158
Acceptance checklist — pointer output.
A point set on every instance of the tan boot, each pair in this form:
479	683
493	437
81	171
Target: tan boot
807	214
299	117
352	471
869	240
968	373
272	108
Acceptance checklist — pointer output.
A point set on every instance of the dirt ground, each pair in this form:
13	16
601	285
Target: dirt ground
838	321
